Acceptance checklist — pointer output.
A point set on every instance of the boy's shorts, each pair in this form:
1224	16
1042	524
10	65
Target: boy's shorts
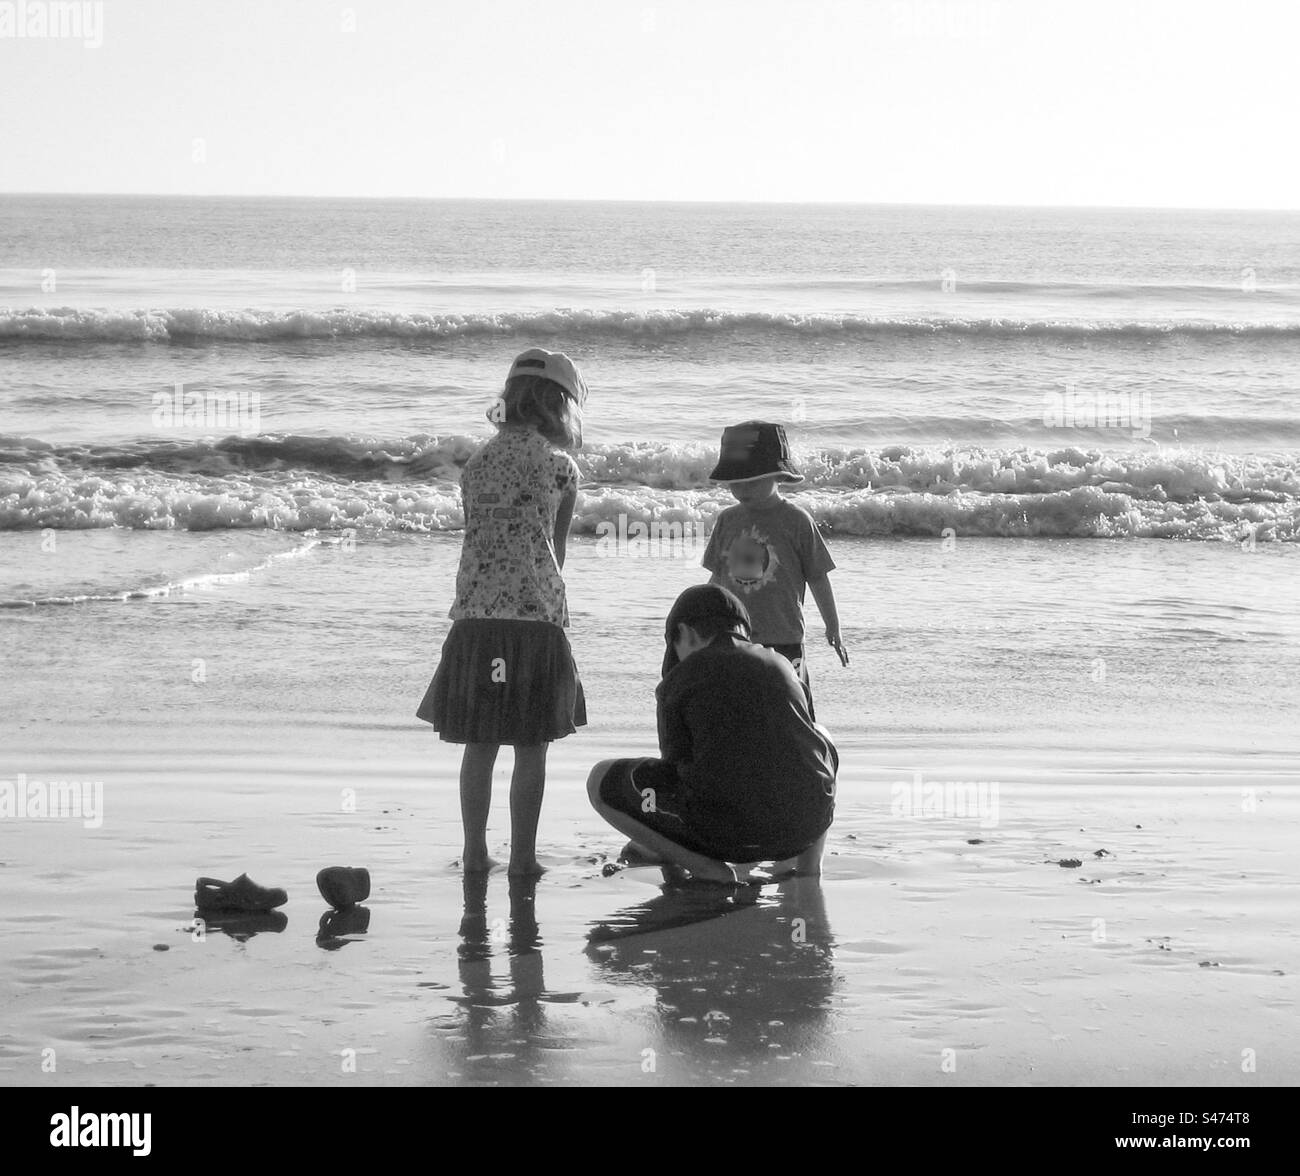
652	794
794	654
648	791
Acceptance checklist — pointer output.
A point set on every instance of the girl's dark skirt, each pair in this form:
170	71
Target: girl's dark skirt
502	681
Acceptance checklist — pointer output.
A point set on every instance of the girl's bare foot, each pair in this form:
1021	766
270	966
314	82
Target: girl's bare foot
531	868
478	862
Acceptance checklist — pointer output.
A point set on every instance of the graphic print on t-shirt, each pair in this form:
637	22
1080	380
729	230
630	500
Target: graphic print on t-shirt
751	560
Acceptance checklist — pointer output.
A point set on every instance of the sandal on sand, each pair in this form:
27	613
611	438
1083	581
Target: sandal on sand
343	886
211	894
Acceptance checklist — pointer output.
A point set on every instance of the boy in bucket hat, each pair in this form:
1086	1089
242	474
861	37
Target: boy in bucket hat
746	775
767	550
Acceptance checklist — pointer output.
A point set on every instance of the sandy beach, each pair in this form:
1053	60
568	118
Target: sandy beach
1102	905
1160	963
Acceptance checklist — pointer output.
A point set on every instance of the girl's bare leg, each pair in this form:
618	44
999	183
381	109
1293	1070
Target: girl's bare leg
526	788
475	801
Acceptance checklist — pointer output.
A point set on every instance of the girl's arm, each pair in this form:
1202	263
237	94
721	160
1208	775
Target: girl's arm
563	519
824	595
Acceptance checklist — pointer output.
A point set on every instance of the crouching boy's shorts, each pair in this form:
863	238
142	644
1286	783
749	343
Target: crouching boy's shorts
652	794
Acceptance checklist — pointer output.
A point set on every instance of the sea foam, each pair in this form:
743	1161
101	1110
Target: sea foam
296	483
198	324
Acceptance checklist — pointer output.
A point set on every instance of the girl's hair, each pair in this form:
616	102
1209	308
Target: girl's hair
542	403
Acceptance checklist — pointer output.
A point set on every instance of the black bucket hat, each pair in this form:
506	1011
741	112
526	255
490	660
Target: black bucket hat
703	602
753	450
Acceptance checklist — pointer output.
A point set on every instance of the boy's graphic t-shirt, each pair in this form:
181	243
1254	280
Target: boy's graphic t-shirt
766	556
512	489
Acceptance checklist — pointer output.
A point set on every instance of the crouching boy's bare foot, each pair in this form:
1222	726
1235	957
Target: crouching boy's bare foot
809	863
637	855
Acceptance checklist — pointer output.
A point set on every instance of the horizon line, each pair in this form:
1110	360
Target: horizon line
644	200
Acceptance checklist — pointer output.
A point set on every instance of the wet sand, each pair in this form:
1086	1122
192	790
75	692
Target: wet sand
267	727
935	950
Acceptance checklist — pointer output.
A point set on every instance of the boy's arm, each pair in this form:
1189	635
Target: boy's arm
824	595
818	565
674	735
712	558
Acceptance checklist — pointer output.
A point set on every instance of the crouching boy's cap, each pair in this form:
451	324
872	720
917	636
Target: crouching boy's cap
756	449
554	366
704	602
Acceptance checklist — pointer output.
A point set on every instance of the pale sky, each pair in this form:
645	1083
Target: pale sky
1130	102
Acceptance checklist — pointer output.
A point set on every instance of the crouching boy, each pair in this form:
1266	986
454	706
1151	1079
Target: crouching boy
746	775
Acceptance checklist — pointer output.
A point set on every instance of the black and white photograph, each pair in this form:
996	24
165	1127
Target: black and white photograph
681	543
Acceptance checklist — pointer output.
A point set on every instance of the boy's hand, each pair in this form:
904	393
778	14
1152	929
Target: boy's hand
825	598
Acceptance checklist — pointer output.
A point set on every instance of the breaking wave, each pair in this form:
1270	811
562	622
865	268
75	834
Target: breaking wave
297	483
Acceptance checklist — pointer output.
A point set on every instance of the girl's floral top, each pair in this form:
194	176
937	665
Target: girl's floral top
512	489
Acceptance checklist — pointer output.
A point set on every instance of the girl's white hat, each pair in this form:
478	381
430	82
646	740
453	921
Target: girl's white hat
553	365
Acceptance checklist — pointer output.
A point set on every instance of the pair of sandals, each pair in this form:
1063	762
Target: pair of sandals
341	886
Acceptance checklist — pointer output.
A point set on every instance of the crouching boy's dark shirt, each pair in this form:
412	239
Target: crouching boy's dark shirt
757	776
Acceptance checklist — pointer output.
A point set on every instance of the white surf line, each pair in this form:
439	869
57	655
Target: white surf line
206	580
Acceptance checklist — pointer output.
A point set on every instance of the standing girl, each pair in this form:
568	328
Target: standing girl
507	673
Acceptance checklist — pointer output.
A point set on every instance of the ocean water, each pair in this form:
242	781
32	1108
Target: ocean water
1031	422
209	364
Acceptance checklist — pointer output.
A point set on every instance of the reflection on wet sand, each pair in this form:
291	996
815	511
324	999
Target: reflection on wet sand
744	979
696	984
338	926
502	1035
240	925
